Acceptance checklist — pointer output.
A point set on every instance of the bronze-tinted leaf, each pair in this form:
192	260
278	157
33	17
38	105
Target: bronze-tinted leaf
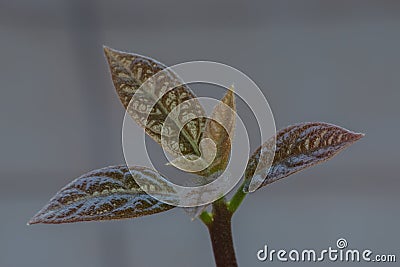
129	72
104	194
298	147
215	145
223	114
220	129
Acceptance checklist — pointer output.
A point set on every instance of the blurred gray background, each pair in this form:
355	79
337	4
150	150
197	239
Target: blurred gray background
334	61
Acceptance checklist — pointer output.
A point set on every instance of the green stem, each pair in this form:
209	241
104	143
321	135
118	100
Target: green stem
206	217
237	199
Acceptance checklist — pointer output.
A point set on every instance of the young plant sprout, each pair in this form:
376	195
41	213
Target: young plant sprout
113	192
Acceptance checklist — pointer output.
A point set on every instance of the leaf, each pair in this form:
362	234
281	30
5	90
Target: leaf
223	114
215	146
129	72
220	129
297	147
105	194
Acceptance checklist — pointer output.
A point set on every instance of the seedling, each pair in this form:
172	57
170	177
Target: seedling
113	192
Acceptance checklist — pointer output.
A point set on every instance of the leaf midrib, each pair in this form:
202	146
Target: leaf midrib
184	132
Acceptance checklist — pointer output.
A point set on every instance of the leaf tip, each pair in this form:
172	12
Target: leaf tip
251	186
355	137
36	219
106	49
33	220
250	189
359	135
109	52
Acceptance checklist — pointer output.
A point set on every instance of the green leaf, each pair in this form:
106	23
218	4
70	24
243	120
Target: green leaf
105	194
129	72
297	147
